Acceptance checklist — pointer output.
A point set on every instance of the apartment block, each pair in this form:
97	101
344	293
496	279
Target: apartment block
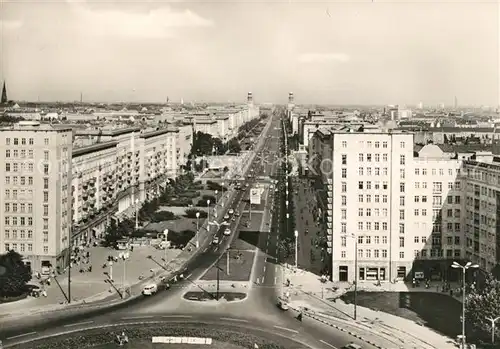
393	211
57	185
35	214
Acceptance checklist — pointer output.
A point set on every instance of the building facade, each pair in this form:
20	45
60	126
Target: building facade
36	197
395	212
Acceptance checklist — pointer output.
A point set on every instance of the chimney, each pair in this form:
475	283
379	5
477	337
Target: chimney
290	97
249	98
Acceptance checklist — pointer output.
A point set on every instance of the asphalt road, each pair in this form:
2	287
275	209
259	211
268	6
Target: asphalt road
259	310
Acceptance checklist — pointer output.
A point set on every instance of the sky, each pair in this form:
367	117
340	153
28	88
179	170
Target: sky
349	52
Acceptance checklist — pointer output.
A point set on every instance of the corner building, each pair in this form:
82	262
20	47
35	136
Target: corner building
35	205
386	208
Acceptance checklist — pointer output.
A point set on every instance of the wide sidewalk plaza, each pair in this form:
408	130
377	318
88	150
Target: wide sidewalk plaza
389	331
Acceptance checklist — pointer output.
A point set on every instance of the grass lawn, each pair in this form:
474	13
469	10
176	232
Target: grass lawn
434	310
239	269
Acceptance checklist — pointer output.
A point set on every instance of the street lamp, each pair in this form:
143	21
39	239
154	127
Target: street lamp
124	256
136	214
296	248
165	233
493	328
197	229
216	192
208	215
456	265
222	190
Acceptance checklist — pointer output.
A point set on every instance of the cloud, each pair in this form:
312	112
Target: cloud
10	24
158	23
323	57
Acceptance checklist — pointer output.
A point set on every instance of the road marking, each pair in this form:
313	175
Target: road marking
79	323
177	316
331	346
286	329
136	317
264	268
275	280
205	250
232	319
22	335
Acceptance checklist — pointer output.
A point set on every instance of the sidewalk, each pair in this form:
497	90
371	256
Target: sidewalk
91	284
385	330
88	287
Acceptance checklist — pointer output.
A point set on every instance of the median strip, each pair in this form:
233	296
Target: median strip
176	316
79	323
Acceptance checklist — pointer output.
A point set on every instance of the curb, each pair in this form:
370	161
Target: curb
355	335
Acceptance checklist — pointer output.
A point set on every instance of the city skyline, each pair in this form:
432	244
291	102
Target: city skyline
328	53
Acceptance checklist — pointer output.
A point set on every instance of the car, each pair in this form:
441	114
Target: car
352	346
215	240
150	289
282	304
231	211
227	232
226	216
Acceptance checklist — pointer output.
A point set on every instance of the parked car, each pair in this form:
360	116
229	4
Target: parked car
227	232
282	304
150	289
231	211
215	240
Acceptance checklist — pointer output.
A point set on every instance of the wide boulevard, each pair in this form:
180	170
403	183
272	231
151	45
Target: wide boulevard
258	312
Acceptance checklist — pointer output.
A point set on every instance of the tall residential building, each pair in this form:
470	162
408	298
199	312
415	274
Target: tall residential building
36	192
394	212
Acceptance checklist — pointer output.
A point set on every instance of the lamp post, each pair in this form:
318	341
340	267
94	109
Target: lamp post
136	214
110	274
124	256
493	328
208	215
216	192
287	218
296	248
222	190
197	229
165	233
456	265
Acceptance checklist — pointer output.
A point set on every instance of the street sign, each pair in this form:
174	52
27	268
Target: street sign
255	196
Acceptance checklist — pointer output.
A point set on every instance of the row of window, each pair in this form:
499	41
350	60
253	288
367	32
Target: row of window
376	171
437	186
377	144
15	207
367	254
375	157
417	253
24	141
23	248
434	171
368	198
21	154
24	180
23	195
22	234
23	221
21	167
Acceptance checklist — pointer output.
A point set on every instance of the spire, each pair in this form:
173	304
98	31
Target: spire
4	95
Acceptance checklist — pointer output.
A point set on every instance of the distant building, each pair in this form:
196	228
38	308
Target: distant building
4	99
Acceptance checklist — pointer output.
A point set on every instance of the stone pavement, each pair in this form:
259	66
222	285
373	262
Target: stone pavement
383	329
91	284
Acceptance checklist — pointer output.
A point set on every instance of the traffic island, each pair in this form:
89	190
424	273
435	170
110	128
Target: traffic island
210	296
234	265
140	335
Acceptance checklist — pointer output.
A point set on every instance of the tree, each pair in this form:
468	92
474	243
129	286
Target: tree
14	274
112	234
482	303
234	146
